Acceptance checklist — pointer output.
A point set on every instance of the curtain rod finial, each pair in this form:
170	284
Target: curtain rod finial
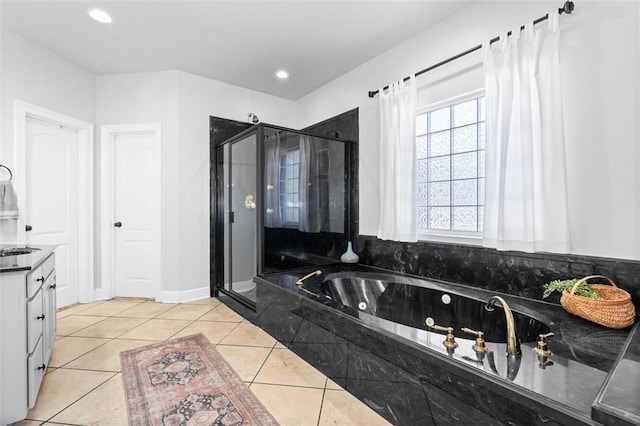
567	7
372	94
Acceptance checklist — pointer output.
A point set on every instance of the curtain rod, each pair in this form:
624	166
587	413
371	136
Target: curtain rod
566	8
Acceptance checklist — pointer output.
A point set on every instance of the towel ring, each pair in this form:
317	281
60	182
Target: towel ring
8	169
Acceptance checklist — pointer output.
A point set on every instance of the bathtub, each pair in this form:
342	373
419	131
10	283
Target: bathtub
366	329
410	301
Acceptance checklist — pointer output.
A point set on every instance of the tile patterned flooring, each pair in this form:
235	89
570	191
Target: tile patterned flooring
83	384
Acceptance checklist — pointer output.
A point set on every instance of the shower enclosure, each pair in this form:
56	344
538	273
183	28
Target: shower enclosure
280	199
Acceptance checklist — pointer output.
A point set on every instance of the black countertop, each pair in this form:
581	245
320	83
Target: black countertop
618	402
23	262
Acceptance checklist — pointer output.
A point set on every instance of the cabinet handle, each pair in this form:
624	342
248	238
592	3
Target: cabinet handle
42	367
40	317
40	279
28	228
53	286
117	224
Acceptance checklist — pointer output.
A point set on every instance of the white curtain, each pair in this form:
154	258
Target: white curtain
526	205
398	162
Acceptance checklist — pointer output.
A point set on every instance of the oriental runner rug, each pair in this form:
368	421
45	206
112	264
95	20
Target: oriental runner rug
185	381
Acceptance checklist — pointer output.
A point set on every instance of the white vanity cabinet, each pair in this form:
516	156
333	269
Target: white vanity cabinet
41	320
28	330
49	306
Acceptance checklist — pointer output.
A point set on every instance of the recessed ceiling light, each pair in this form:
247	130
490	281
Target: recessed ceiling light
282	74
100	16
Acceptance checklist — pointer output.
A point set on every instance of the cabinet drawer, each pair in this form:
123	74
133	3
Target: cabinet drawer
35	321
34	281
48	265
35	372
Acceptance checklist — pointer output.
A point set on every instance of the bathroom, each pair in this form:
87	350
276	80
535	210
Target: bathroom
600	93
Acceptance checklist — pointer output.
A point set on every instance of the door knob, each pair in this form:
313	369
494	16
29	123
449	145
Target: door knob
117	224
28	228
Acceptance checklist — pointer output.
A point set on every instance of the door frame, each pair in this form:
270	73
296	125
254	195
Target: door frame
219	216
22	111
108	134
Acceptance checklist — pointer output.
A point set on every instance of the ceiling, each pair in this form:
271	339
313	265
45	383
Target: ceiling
239	42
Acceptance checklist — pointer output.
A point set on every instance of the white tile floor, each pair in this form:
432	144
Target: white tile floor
83	385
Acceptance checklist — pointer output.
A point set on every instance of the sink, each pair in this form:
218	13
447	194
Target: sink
17	251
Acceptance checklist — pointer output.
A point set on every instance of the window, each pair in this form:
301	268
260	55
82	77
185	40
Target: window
450	168
289	178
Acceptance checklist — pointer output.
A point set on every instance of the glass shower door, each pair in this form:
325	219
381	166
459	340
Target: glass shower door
240	225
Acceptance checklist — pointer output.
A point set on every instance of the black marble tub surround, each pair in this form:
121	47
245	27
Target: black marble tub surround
315	337
517	273
413	382
23	262
288	248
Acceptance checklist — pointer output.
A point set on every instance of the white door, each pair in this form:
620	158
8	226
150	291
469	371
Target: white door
136	219
52	201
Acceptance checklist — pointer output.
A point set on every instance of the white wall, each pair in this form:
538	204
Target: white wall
200	98
600	56
35	75
183	102
149	98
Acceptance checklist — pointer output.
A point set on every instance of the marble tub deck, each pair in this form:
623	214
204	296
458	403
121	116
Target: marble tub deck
311	325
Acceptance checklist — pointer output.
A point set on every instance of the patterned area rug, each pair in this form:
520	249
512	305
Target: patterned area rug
185	381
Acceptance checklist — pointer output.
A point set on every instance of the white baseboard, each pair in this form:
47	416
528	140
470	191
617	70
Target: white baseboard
185	295
98	294
92	298
166	296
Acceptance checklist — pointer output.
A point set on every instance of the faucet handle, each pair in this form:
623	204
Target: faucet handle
541	347
470	331
432	324
450	341
479	346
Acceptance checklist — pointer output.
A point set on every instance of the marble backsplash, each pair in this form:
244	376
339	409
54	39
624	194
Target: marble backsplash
516	273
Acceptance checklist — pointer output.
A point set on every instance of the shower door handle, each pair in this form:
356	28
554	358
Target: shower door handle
231	217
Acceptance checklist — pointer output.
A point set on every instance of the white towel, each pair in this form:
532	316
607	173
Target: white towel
8	201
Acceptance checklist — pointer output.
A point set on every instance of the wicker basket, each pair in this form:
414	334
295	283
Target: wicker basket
614	310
